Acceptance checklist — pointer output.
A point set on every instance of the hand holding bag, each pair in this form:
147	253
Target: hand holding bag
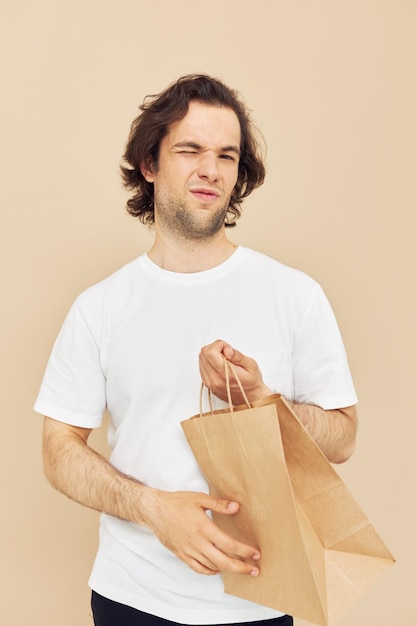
319	553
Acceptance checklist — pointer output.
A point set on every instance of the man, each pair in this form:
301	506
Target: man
138	342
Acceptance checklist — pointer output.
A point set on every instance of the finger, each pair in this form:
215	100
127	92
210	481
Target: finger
234	549
196	564
231	562
219	505
205	374
220	539
212	375
212	354
214	558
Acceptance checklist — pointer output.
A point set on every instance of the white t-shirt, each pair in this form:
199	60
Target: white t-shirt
131	344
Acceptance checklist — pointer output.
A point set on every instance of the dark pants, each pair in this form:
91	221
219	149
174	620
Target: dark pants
109	613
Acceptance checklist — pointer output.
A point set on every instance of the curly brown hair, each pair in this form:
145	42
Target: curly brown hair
152	124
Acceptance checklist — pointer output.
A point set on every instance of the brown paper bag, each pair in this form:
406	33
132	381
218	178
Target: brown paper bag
319	551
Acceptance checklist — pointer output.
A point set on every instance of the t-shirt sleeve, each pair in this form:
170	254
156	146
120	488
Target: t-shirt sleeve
321	374
73	389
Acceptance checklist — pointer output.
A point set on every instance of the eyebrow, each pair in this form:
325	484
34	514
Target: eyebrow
197	146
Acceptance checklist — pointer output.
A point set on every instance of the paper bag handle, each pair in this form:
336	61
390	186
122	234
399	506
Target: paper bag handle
227	366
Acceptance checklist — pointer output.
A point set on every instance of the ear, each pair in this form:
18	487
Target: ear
147	169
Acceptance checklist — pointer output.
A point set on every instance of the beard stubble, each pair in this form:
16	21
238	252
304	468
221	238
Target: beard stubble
182	222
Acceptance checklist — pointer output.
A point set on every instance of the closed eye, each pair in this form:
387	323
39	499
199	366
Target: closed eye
227	157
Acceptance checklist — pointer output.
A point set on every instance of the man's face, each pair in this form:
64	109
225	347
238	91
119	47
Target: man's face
196	172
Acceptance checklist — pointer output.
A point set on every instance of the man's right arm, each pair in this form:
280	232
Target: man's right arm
178	519
78	471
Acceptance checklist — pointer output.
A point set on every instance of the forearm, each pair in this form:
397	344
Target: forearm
334	431
178	519
76	470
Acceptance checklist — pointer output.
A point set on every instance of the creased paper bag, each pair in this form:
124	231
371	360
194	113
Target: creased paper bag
319	551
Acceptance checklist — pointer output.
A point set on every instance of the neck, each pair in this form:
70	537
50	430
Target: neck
190	256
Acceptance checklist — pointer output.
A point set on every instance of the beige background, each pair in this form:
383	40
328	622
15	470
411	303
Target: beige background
333	88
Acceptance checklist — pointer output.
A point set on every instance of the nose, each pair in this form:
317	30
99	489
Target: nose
208	167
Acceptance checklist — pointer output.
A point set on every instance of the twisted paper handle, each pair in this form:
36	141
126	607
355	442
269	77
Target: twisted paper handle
227	366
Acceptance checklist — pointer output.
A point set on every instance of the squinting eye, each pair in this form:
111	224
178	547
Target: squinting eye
227	157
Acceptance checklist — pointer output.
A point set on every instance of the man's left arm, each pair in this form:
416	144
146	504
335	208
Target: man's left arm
334	431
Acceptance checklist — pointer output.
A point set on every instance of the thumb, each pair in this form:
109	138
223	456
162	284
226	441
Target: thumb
228	352
227	507
236	357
